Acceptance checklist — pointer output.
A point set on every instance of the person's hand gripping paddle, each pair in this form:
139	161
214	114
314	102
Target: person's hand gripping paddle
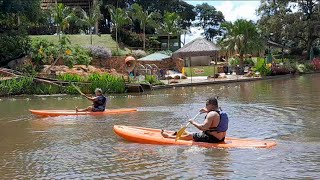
181	131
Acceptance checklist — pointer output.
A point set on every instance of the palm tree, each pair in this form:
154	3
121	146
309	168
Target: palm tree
241	37
90	19
61	16
145	18
119	18
170	25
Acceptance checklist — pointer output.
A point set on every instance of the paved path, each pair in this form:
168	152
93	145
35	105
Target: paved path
203	80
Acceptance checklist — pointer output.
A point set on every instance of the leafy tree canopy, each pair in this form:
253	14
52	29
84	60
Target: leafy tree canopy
291	22
210	20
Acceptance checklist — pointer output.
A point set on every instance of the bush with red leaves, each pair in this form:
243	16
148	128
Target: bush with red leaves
316	63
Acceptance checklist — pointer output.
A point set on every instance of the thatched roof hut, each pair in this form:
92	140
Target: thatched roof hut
197	47
155	57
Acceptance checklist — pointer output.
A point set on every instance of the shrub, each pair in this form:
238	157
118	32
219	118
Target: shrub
306	67
129	38
25	85
234	61
152	42
301	68
151	79
118	52
40	88
316	63
14	44
44	52
310	67
280	70
262	67
133	39
99	52
71	77
292	67
139	53
107	83
16	86
249	62
82	56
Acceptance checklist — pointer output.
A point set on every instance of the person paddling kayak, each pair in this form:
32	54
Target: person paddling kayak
214	127
99	102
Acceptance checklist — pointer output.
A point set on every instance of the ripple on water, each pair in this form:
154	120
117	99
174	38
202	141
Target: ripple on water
85	147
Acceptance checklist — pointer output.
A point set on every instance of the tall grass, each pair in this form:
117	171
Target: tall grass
107	83
71	78
16	86
26	85
151	79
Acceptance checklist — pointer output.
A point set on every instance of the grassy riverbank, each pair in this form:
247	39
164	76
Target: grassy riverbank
29	85
104	40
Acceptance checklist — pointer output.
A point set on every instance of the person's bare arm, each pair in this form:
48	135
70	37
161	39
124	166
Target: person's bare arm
206	124
90	98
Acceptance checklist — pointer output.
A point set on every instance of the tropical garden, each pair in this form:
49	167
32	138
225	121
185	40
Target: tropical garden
118	28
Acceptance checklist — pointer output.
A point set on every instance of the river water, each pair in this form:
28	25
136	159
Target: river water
85	147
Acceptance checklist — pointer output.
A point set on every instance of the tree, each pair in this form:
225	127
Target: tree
170	25
145	18
119	17
61	16
90	19
241	37
13	10
310	17
210	20
183	9
296	28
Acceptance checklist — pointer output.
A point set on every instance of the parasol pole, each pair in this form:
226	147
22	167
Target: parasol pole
190	69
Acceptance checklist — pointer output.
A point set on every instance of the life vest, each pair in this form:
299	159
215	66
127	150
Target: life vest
223	124
101	101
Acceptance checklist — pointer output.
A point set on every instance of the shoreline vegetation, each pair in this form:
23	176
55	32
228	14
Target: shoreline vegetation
27	86
38	39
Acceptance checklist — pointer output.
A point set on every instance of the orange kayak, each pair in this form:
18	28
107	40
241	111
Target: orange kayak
153	136
73	112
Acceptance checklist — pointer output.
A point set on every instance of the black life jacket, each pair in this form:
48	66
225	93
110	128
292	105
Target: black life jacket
101	101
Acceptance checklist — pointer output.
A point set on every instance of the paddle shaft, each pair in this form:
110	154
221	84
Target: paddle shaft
77	88
180	132
193	118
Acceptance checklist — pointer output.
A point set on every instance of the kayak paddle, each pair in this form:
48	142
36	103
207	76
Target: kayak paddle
77	88
181	131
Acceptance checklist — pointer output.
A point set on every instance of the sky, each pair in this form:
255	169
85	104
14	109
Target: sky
232	10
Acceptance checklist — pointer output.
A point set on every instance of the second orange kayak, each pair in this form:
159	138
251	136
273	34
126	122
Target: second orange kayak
153	136
73	112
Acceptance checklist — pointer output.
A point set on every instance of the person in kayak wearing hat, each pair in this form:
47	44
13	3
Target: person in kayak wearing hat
214	128
99	102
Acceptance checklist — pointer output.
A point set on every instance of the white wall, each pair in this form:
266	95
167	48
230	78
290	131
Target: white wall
199	61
